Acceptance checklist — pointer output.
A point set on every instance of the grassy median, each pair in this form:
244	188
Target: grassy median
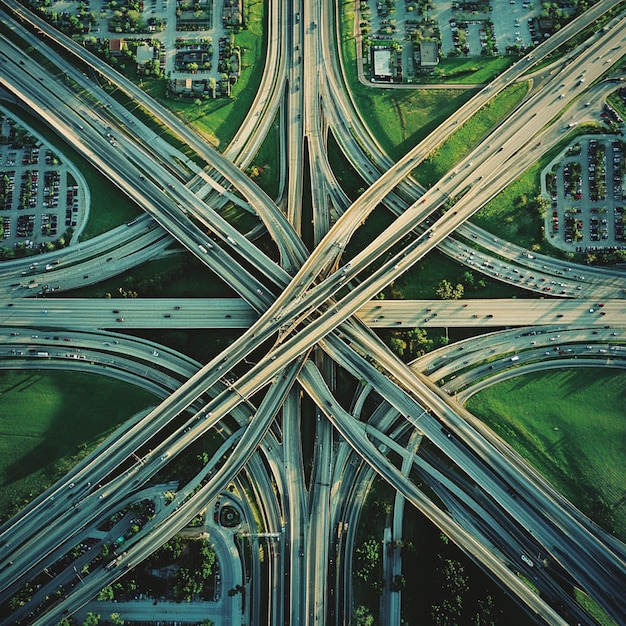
570	425
49	420
445	157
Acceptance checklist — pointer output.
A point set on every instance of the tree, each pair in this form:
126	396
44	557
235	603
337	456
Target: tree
106	593
446	291
419	342
115	619
362	617
91	619
398	345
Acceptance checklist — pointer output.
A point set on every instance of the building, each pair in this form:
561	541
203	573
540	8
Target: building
381	63
116	47
145	54
429	55
182	85
232	14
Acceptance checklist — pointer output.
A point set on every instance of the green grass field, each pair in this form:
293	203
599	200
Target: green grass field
175	276
267	159
398	118
470	70
49	420
570	425
462	142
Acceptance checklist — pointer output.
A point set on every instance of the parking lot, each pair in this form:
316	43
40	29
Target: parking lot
585	189
39	197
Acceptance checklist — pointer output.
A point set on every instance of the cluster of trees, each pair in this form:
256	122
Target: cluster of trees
411	343
606	258
127	17
447	291
20	249
196	568
92	619
70	23
362	617
457	602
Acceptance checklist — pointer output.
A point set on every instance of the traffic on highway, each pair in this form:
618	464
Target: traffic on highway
305	313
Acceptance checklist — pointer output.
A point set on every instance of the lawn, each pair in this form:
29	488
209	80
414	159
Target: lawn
398	118
347	177
49	420
570	425
175	276
267	162
470	70
465	139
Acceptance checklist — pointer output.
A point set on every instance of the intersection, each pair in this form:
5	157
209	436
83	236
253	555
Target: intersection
305	319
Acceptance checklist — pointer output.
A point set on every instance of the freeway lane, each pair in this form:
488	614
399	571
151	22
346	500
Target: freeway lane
168	211
289	244
80	314
347	124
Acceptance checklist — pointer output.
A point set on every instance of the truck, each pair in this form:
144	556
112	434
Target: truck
42	354
527	560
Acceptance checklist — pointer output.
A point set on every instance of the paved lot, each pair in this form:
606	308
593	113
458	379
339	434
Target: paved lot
42	195
581	217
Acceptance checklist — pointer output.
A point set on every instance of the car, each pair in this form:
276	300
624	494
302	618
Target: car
155	353
85	275
71	485
167	315
116	310
120	319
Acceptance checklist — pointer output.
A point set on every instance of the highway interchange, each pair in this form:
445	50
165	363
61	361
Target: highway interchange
302	316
